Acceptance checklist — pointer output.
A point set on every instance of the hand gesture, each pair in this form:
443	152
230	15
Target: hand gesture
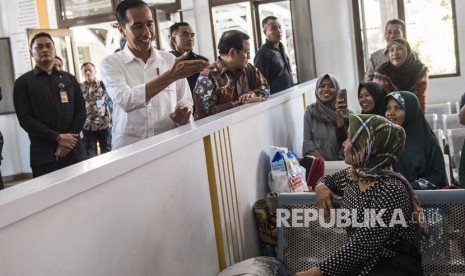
181	114
68	140
324	196
183	68
250	97
341	106
61	151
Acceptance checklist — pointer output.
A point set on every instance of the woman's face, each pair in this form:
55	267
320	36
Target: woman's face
366	101
395	113
397	54
348	151
326	91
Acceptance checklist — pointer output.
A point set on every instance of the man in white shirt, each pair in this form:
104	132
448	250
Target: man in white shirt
148	87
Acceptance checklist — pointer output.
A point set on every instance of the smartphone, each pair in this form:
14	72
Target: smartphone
342	94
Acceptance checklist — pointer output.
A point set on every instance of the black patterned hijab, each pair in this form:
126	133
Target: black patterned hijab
324	112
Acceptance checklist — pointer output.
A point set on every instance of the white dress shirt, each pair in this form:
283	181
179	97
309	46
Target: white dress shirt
124	77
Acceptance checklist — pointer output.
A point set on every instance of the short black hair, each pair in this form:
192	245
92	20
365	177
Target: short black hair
41	34
268	18
87	63
396	21
123	6
232	39
175	27
59	58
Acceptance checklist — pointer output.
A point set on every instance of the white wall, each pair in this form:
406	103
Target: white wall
179	203
335	44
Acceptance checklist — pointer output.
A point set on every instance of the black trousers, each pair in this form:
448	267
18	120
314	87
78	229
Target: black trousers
90	141
51	167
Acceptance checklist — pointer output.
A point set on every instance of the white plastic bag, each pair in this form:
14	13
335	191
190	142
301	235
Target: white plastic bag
286	175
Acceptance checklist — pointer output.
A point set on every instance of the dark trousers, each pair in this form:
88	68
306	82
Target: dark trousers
51	167
1	181
90	142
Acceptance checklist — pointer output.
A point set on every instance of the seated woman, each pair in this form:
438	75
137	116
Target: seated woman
403	71
371	99
374	144
422	161
320	122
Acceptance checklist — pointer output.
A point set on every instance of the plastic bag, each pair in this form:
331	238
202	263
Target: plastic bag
286	176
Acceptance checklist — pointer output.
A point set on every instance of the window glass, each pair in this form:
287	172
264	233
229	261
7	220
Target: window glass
165	20
236	16
374	14
282	11
430	32
73	9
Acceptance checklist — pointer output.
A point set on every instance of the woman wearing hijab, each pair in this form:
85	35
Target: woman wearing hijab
320	122
371	99
403	71
422	162
373	249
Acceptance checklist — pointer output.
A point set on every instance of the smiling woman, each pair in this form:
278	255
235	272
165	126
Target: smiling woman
403	71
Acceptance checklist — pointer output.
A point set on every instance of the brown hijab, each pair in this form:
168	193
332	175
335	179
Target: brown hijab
408	74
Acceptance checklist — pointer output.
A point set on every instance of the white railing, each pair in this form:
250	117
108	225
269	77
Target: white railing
177	203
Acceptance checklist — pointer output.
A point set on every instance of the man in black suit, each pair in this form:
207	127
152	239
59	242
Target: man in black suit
51	109
181	41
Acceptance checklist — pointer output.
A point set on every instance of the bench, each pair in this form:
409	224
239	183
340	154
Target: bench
443	254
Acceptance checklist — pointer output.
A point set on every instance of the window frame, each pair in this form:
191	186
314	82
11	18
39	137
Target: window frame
401	15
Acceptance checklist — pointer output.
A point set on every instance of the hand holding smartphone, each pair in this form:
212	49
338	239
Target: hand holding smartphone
341	102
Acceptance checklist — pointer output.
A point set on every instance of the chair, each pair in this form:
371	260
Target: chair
432	120
455	138
439	108
440	136
334	166
439	133
451	121
443	254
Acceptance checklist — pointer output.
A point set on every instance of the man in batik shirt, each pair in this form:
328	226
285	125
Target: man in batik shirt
231	80
97	123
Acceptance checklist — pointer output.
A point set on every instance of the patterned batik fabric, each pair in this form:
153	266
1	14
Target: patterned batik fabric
98	115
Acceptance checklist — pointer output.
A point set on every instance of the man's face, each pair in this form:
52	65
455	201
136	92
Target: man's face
393	31
183	40
58	64
88	72
272	30
43	50
139	31
241	58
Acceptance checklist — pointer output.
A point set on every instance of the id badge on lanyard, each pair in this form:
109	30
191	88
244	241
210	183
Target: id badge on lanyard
63	93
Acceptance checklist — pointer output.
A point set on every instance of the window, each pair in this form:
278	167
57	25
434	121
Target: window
282	11
236	16
430	30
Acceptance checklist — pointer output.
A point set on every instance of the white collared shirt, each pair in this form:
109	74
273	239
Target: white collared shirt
124	77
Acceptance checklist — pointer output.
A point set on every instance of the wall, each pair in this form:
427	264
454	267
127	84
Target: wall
175	204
